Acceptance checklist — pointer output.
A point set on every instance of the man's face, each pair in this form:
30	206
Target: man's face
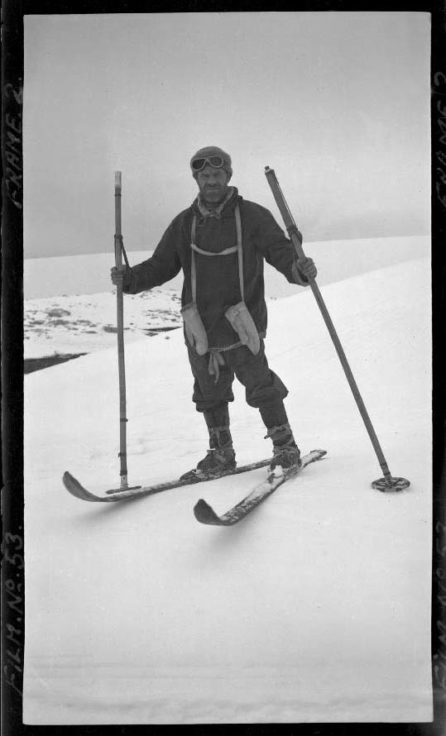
213	184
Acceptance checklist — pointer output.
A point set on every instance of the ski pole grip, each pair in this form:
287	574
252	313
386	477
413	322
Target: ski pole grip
285	211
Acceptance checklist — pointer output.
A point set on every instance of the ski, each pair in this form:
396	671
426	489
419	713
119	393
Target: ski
79	491
205	514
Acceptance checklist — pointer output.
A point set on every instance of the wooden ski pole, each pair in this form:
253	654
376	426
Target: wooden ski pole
387	483
120	333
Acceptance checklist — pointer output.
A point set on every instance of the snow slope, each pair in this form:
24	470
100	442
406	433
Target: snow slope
314	609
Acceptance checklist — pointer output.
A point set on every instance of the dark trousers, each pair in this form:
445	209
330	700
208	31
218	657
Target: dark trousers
264	389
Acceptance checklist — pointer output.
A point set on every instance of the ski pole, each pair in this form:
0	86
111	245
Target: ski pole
120	333
387	483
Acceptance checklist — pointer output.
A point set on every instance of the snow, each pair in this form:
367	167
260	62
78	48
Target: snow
316	608
87	322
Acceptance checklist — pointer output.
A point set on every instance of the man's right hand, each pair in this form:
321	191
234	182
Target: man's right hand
117	275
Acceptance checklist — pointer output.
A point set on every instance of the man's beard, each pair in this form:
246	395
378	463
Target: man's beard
214	195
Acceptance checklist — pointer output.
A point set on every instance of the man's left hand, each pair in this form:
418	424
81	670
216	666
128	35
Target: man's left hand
307	268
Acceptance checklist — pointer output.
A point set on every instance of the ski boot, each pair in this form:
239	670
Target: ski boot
220	458
286	454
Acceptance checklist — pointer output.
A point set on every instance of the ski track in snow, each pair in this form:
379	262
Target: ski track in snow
316	608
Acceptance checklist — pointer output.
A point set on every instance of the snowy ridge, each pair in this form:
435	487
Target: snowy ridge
315	609
89	273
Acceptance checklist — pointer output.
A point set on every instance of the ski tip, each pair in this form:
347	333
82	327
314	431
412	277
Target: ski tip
201	507
205	513
69	481
74	487
321	453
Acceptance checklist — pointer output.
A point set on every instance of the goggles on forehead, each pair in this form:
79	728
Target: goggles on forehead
217	162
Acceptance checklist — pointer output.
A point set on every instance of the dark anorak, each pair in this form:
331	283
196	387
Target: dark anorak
218	284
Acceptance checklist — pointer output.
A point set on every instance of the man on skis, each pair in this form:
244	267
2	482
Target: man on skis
220	242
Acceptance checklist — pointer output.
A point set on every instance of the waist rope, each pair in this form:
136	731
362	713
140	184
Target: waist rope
216	359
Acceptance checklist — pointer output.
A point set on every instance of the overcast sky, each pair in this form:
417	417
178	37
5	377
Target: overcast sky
336	102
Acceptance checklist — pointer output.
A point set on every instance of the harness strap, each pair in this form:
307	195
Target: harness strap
236	248
216	359
225	252
238	227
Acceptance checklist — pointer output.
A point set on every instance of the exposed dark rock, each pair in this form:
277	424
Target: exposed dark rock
37	364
